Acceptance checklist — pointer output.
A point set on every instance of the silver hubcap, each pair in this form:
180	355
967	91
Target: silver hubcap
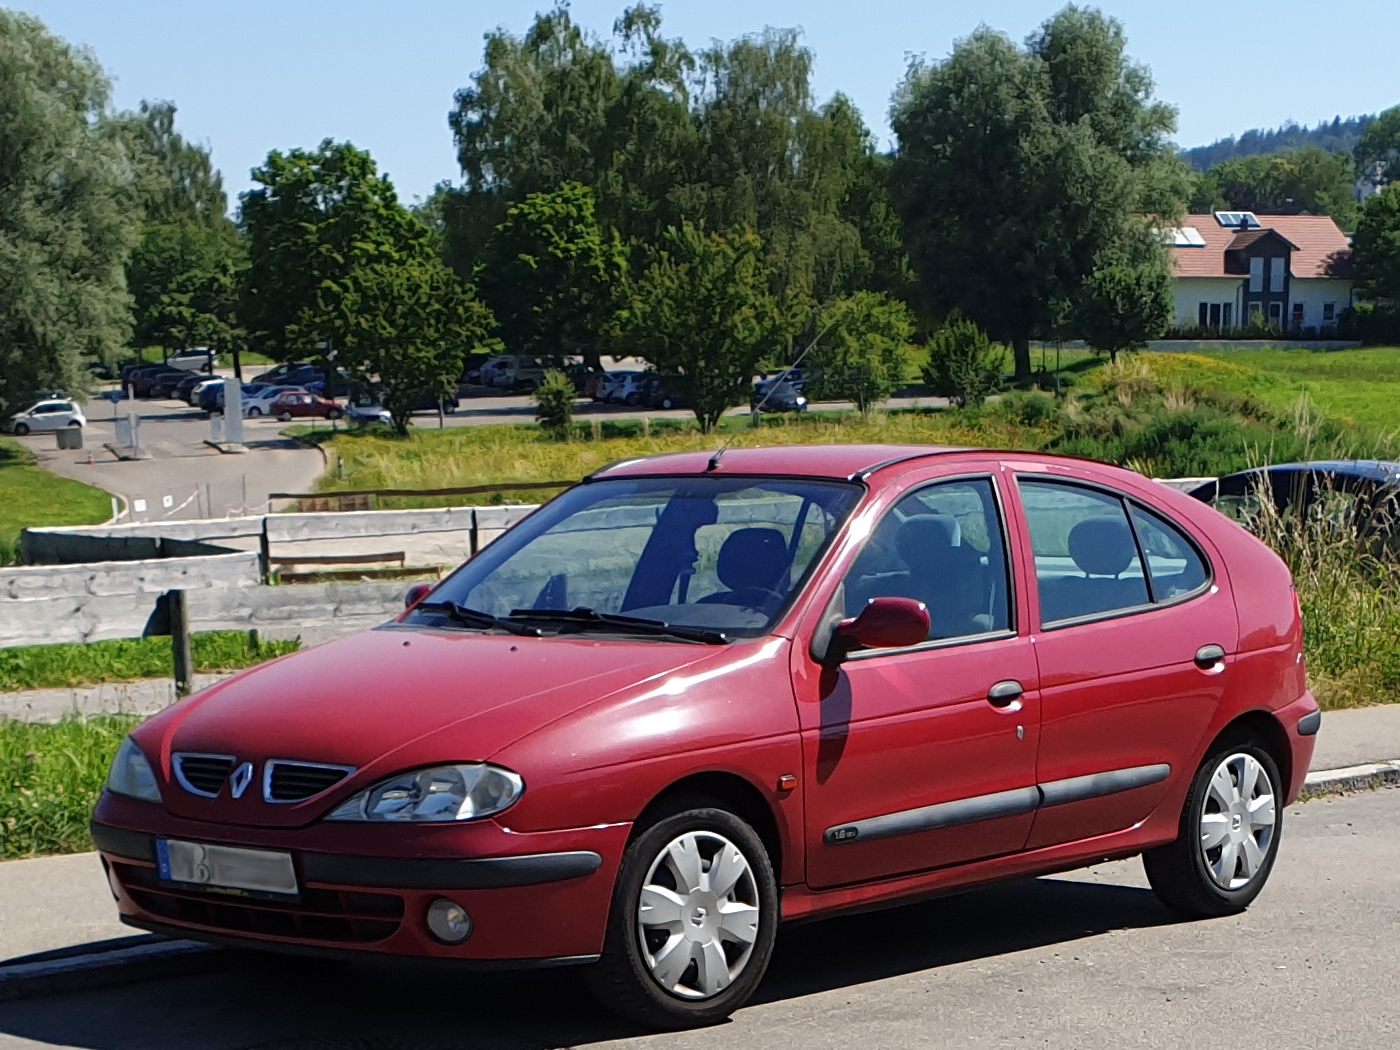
1237	821
698	915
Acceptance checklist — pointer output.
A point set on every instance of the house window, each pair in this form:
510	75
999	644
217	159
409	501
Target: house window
1297	315
1256	274
1256	312
1202	314
1276	314
1275	275
1329	311
1226	312
1215	315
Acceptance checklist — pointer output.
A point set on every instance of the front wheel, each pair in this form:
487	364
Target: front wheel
285	417
254	412
693	921
1229	834
21	429
334	413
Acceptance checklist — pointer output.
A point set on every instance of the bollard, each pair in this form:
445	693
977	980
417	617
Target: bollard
180	642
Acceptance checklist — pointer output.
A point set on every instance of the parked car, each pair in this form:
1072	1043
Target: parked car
49	414
778	397
612	387
518	372
185	386
367	413
196	393
155	382
292	373
196	359
656	391
259	402
1356	496
293	404
712	692
798	378
429	403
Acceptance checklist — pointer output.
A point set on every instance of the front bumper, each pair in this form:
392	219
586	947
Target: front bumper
534	898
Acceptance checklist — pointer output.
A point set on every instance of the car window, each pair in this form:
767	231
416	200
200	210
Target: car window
1173	563
1086	559
721	553
47	408
942	545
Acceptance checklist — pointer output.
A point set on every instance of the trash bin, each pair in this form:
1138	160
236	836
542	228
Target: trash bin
70	437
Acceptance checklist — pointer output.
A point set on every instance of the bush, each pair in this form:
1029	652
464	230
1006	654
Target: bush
964	365
554	401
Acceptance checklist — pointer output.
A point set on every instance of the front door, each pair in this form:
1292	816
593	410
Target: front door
924	757
1132	663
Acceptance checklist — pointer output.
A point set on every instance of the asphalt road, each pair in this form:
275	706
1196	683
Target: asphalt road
1086	960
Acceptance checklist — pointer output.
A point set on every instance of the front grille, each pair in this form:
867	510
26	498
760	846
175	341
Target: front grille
295	781
203	774
317	915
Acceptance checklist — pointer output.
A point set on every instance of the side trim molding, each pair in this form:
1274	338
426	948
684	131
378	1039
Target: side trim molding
999	804
449	873
942	815
1096	785
133	845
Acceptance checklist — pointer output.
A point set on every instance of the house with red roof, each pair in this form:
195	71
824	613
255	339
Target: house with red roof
1233	267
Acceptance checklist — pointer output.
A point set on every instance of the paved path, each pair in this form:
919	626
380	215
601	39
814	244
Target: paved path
1087	961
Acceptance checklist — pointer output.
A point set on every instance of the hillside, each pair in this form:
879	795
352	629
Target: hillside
1336	136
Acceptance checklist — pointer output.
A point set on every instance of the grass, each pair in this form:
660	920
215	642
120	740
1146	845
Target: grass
50	778
30	495
128	660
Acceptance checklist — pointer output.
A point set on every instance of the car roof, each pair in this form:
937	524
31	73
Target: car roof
811	461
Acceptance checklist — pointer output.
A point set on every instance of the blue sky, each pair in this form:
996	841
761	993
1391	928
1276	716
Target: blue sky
262	74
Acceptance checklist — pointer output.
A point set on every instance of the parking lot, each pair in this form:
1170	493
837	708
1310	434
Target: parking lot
1085	960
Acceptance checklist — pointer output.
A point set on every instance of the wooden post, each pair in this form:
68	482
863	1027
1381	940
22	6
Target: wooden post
265	552
180	642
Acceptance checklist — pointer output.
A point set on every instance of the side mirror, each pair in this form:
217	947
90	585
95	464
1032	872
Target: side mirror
885	623
416	594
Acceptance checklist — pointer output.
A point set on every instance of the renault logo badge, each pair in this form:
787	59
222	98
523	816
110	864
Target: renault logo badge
242	777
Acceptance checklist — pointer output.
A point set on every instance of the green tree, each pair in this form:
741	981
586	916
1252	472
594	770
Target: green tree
1377	246
551	275
862	348
1307	181
405	324
1378	153
705	310
175	180
317	218
1017	167
68	218
1123	304
963	364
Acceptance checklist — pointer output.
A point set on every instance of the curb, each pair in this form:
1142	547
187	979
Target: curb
107	963
1366	777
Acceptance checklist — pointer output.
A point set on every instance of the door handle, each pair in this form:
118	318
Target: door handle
1207	656
1004	694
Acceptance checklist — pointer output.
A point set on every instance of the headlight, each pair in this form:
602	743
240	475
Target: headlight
131	774
440	794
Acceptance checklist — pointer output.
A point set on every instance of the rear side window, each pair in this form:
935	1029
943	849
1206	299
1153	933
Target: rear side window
1172	562
1086	560
1090	547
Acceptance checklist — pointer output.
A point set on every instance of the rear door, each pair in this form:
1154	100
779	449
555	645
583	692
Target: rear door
1132	662
923	757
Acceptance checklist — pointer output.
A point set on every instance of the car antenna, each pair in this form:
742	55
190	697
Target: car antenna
714	460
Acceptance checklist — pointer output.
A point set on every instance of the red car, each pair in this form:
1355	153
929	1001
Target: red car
298	404
695	696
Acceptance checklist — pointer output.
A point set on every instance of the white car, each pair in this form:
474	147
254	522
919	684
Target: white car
52	414
195	359
614	386
260	402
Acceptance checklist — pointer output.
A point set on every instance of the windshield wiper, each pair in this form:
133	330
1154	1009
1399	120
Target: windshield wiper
586	617
477	618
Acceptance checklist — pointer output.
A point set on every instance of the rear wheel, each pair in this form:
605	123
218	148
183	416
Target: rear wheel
334	413
1229	834
693	921
254	412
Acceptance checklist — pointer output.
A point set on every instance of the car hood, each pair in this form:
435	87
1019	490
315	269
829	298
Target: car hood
391	699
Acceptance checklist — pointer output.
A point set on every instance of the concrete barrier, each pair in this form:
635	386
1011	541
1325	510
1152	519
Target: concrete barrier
313	612
133	541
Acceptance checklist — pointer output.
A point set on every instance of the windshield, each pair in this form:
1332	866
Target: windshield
723	554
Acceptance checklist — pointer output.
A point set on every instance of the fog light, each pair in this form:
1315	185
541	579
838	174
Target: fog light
449	921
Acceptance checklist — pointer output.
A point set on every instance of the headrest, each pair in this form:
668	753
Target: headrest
1102	546
752	558
925	538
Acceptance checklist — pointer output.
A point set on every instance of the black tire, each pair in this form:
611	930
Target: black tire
334	413
1179	871
667	402
622	981
21	429
285	417
74	423
254	412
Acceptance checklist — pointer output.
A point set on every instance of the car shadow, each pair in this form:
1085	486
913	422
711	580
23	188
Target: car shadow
291	1003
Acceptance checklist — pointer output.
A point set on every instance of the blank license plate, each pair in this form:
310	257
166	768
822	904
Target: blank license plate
226	867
